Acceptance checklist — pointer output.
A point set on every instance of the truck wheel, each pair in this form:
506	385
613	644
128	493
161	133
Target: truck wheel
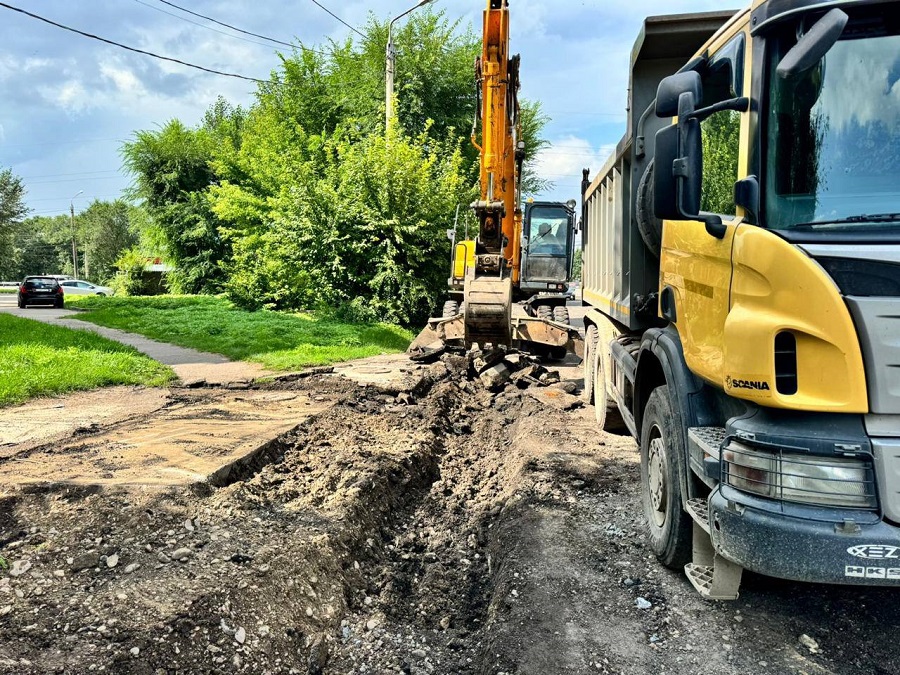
587	366
451	309
662	447
561	314
545	312
649	225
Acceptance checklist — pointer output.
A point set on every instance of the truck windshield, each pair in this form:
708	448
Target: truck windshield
833	161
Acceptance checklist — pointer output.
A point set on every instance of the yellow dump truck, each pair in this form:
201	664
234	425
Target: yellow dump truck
742	271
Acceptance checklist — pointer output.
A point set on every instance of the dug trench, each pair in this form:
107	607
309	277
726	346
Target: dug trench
449	529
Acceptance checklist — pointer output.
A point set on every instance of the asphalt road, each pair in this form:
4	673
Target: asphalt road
39	312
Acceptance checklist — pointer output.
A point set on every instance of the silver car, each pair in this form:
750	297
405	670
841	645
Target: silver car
78	287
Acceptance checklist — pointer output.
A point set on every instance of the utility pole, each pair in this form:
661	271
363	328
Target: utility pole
391	57
74	248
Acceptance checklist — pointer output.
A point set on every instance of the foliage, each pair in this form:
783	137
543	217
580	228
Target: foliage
304	200
172	170
12	211
105	230
533	120
43	245
102	231
576	265
367	219
130	279
721	142
277	340
37	359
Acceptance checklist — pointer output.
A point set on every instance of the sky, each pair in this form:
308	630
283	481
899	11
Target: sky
67	103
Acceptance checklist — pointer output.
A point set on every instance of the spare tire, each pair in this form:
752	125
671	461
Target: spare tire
649	225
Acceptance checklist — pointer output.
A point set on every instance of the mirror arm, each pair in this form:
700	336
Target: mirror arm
714	225
741	104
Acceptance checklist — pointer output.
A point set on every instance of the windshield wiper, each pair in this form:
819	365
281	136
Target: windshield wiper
862	218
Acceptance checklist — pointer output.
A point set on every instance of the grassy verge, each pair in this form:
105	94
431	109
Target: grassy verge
277	340
38	359
8	289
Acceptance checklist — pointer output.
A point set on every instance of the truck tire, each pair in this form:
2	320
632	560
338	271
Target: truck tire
587	365
451	309
662	447
545	312
561	314
649	225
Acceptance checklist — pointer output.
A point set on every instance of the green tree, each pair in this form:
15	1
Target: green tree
105	231
172	172
304	198
12	211
576	265
43	245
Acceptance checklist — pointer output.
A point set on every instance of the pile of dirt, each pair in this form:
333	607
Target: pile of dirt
446	527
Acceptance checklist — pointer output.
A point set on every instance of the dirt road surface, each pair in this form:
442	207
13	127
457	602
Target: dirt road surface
438	529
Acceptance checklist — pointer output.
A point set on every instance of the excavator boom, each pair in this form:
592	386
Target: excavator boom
488	270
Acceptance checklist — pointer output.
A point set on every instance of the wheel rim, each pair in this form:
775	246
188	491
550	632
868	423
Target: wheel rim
656	479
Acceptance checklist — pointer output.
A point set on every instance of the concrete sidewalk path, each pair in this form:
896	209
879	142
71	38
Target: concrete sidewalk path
189	364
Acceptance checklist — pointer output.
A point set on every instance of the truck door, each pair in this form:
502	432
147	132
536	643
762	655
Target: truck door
695	266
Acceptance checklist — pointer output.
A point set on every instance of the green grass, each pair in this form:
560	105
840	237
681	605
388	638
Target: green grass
277	340
8	289
37	359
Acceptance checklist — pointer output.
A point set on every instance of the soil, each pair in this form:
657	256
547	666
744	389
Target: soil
446	529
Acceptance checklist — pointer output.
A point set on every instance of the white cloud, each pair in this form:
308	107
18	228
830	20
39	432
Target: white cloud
126	82
567	156
71	97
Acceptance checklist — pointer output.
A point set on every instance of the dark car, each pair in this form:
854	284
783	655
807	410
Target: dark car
40	291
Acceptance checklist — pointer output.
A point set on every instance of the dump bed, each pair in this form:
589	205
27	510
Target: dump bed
620	271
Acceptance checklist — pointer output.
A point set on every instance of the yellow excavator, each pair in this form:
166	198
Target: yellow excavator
487	271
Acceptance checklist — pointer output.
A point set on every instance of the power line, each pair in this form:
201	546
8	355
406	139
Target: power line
239	30
320	5
197	23
131	49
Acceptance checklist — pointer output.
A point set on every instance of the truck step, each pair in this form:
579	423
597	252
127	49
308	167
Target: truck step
714	577
698	509
707	440
719	581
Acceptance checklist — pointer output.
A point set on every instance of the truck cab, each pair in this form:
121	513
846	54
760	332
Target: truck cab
749	336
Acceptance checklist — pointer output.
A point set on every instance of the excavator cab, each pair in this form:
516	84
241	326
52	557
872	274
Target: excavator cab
547	248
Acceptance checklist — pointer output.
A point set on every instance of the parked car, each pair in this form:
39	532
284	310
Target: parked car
79	287
40	291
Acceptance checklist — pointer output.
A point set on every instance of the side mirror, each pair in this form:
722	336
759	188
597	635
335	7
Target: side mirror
813	45
672	87
678	177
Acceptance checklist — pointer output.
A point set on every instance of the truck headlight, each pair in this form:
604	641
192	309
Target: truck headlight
806	479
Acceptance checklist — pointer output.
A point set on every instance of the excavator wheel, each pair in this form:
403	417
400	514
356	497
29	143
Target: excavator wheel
561	314
451	309
545	312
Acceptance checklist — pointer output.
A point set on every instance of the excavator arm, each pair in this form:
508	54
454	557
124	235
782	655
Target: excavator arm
489	268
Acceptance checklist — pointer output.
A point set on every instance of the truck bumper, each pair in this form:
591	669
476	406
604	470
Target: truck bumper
790	547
